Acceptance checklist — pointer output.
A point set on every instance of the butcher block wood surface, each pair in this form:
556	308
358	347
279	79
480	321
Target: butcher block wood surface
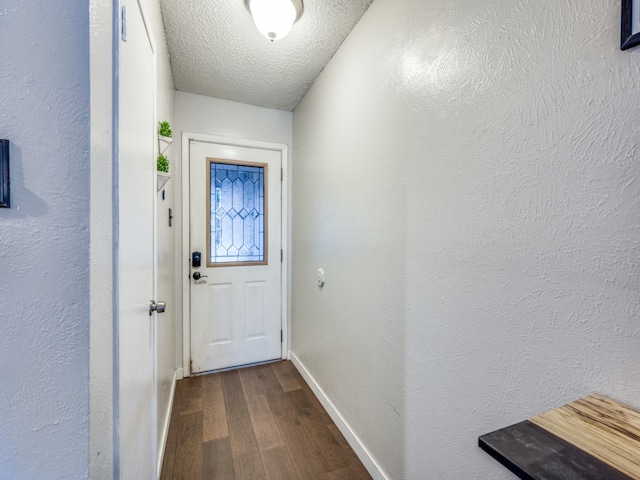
608	430
589	439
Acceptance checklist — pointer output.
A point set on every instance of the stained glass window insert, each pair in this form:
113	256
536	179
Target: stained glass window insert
237	213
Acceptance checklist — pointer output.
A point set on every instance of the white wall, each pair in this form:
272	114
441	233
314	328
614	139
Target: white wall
44	241
211	116
50	295
467	175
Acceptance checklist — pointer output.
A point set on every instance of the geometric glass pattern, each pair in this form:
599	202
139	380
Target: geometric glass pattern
237	213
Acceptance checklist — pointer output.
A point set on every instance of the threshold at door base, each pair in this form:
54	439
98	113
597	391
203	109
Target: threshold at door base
237	367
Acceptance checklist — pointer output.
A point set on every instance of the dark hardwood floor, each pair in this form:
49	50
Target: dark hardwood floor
255	423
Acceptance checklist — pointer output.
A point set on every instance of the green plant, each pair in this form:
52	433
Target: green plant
165	129
163	164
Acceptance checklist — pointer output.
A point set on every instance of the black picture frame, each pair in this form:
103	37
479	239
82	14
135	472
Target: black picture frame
4	174
629	38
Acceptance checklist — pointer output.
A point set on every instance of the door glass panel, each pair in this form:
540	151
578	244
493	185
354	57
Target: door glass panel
237	213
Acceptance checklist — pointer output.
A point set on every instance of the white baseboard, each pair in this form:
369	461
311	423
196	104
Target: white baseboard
176	376
179	373
358	447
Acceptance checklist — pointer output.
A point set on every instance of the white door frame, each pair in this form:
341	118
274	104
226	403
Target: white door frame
186	237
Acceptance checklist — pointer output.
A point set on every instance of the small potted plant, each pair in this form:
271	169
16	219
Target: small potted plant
162	164
164	139
164	129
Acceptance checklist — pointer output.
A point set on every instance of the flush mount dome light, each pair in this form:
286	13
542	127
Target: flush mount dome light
274	18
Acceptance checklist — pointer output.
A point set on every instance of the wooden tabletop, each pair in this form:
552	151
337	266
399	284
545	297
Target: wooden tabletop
589	439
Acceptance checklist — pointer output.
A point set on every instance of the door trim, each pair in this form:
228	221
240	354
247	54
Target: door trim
186	223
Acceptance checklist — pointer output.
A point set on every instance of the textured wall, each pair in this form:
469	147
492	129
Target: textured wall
211	116
44	241
467	175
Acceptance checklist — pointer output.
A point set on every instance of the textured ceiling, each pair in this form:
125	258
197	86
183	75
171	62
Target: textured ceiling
217	51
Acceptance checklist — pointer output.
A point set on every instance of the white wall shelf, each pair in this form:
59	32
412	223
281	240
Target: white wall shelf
162	179
163	146
164	143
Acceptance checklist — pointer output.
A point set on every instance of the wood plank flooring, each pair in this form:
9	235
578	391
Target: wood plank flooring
255	423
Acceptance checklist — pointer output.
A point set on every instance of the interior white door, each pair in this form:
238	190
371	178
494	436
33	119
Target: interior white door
136	276
235	224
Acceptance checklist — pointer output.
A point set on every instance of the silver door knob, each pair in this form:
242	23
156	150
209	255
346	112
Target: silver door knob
157	307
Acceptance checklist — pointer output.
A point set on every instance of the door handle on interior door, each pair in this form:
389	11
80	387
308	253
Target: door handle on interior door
197	276
159	307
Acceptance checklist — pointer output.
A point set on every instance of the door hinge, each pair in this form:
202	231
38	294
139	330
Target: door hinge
123	22
281	255
281	173
281	336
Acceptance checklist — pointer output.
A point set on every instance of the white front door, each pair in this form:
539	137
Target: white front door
235	225
136	276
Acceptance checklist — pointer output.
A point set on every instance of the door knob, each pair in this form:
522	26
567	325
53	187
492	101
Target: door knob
197	276
157	307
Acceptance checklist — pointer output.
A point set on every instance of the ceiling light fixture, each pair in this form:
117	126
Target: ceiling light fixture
274	18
